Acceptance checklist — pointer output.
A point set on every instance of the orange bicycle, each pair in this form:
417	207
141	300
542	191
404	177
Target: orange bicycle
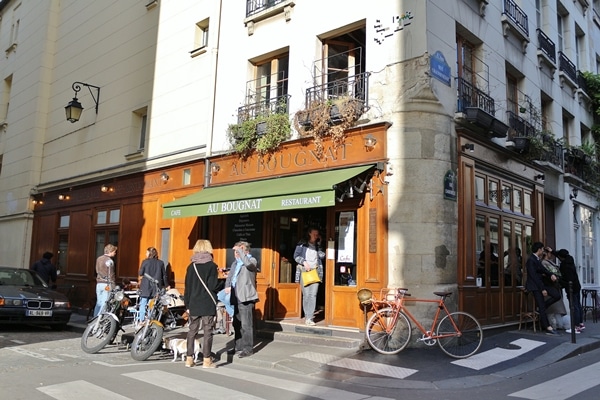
388	330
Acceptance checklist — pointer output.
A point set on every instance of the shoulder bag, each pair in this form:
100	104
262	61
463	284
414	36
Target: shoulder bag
204	284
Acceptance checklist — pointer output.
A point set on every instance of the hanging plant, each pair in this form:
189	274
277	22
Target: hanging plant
264	134
330	118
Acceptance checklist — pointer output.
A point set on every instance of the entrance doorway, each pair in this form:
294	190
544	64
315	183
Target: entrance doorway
286	298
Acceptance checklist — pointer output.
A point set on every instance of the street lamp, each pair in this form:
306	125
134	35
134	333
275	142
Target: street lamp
74	108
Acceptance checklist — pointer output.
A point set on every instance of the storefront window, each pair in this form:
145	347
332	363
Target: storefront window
506	197
64	221
479	189
588	243
61	260
345	248
493	193
527	203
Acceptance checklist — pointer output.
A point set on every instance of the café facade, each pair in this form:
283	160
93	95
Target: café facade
268	201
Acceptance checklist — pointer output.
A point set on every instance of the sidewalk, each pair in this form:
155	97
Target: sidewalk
309	354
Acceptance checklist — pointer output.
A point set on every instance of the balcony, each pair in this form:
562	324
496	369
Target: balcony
552	152
479	108
354	88
278	105
583	90
258	10
567	71
516	21
546	51
519	126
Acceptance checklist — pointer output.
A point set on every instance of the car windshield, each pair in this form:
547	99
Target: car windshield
18	277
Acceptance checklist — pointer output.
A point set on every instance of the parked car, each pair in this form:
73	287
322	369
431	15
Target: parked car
26	299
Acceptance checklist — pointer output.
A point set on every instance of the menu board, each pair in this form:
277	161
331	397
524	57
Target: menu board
244	228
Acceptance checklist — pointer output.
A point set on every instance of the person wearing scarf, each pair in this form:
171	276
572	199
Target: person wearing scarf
201	284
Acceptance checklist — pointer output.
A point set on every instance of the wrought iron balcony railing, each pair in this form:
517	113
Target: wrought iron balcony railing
256	6
517	15
546	45
581	82
278	105
356	86
470	96
520	126
554	154
565	65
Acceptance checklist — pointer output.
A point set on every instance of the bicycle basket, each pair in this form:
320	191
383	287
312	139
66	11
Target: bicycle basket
365	296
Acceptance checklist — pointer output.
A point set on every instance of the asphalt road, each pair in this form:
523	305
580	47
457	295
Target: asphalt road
37	363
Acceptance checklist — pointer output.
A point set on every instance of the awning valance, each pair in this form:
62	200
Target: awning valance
284	193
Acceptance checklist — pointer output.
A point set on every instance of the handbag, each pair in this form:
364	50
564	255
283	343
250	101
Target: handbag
310	277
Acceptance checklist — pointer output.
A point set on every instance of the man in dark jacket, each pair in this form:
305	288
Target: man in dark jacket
535	285
569	274
46	270
241	284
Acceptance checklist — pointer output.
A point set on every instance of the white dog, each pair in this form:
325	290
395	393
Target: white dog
179	347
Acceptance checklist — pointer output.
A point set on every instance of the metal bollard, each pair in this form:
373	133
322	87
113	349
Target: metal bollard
571	312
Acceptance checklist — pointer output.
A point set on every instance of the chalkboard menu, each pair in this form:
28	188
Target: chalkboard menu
244	228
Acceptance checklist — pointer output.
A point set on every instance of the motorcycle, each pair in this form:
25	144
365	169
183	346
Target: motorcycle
103	329
164	311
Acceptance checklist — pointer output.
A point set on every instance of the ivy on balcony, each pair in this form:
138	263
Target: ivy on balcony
261	126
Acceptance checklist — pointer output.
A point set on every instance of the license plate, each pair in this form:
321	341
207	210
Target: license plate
39	313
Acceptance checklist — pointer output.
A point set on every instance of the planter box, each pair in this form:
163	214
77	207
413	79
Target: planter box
261	128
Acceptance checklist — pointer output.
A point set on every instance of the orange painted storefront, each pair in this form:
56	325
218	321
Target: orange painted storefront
136	202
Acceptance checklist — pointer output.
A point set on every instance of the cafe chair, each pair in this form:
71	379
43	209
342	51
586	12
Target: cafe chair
527	311
589	302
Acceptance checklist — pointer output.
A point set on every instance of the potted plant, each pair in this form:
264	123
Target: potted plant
329	118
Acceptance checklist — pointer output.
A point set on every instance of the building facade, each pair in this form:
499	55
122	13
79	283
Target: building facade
431	142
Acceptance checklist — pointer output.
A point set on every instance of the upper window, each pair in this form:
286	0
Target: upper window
139	134
268	91
104	217
200	38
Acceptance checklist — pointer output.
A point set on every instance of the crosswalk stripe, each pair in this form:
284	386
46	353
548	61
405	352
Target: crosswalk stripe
34	354
498	355
188	386
357	365
76	390
313	356
374	368
312	387
563	387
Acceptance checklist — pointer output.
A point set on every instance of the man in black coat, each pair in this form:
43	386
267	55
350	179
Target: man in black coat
544	295
46	270
569	274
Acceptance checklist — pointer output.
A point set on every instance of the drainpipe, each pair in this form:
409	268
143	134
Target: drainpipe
215	60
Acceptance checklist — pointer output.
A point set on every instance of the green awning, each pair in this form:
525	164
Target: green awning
283	193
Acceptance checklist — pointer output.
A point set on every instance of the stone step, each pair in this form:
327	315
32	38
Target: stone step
311	335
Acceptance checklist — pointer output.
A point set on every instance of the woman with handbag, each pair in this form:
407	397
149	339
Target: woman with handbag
309	259
200	297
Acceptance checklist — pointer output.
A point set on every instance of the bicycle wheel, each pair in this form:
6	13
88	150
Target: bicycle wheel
95	339
461	345
384	340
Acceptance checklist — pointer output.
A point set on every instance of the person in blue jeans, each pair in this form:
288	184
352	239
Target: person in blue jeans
105	276
156	269
241	286
309	256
